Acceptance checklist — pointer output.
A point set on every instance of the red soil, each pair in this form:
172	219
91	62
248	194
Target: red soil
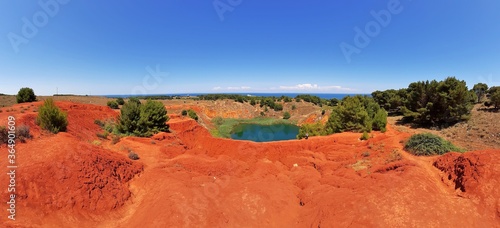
187	178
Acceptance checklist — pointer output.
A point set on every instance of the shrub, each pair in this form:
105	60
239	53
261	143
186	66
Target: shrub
4	135
134	100
23	132
294	107
113	104
495	99
25	95
120	101
115	139
323	112
286	115
184	112
99	122
365	136
428	144
278	107
51	118
103	135
380	121
311	129
132	155
192	114
252	102
262	114
218	121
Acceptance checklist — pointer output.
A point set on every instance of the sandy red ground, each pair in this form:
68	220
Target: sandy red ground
187	178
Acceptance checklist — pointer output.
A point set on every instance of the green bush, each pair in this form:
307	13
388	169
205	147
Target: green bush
120	101
252	102
192	114
495	99
315	129
113	104
218	121
25	95
184	112
380	120
278	107
365	136
323	112
286	115
294	107
51	118
134	100
427	144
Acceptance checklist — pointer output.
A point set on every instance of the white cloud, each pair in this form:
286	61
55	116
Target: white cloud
314	87
216	88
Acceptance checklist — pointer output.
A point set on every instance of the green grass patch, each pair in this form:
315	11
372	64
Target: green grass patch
224	128
427	144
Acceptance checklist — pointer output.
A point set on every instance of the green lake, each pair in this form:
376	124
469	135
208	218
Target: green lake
265	133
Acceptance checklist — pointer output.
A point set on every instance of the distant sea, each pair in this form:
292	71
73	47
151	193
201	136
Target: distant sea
292	95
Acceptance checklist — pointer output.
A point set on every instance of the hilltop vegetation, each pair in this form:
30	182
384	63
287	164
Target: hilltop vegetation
430	103
357	113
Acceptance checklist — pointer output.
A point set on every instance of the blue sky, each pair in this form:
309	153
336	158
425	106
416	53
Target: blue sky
188	46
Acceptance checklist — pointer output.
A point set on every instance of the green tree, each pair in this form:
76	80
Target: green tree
51	118
252	102
333	102
134	100
480	89
357	114
153	118
495	99
113	104
278	107
120	101
192	114
286	115
128	121
435	102
25	95
493	89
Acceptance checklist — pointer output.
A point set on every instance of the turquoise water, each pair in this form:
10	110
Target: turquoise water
265	133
